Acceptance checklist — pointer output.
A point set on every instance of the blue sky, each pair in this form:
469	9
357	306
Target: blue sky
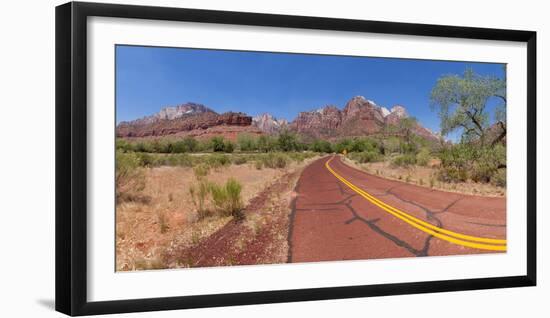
149	78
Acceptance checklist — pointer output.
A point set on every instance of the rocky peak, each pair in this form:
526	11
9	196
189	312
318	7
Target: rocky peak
318	123
173	112
355	105
396	114
269	123
385	112
399	111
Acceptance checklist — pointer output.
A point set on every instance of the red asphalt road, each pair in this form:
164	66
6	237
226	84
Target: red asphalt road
330	221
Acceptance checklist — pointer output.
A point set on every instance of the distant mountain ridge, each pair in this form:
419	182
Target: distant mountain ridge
359	117
181	119
170	113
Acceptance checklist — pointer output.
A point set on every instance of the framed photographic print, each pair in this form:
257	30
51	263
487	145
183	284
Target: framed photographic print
209	158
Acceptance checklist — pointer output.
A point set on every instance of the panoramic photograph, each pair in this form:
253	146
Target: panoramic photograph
229	158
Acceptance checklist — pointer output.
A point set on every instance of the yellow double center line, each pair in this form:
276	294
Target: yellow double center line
446	235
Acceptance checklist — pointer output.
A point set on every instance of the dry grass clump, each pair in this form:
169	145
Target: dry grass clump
275	160
227	198
199	194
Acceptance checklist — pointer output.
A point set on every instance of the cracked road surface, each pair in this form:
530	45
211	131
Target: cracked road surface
341	213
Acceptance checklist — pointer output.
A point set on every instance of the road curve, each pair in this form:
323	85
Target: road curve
341	213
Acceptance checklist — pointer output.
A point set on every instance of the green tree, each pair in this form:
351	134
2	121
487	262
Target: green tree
500	111
462	101
287	141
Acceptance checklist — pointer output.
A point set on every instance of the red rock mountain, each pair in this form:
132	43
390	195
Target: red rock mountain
321	123
180	119
359	117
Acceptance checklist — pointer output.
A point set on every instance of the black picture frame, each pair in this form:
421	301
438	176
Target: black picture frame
71	157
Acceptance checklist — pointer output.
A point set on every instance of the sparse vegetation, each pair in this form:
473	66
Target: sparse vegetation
247	142
199	193
275	160
423	157
201	171
365	156
239	160
163	222
129	179
480	164
404	160
227	198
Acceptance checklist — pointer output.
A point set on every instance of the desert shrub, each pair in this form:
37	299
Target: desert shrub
217	160
391	145
180	159
145	159
191	145
258	165
423	157
404	160
275	160
267	143
246	142
201	171
456	162
452	174
239	160
298	156
199	193
322	146
233	189
228	146
460	156
160	146
187	144
129	177
499	178
217	144
227	198
365	156
143	146
178	147
487	163
344	144
123	145
364	145
466	161
407	147
204	145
